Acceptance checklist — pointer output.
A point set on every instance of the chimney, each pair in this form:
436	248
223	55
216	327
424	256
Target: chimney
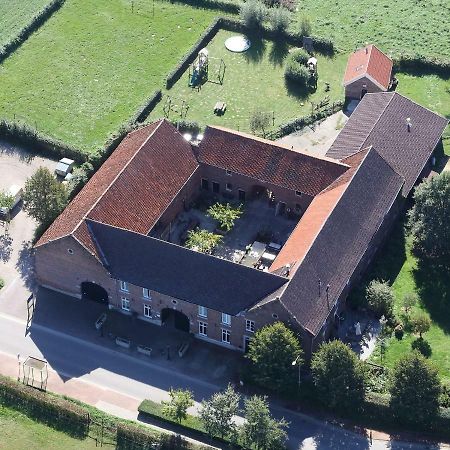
328	300
288	269
408	124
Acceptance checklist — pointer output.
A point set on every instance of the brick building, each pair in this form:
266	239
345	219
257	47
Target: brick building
310	225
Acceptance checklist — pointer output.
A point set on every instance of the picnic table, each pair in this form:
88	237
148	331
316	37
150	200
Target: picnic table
220	108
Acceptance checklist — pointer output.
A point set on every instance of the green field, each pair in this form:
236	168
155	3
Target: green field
397	265
93	64
411	26
18	432
15	15
253	80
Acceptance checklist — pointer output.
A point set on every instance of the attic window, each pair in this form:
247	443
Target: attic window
298	193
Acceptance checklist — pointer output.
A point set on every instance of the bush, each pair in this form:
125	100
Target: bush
305	27
280	19
53	411
297	73
187	126
444	398
422	64
300	56
380	298
147	107
253	13
398	331
420	323
422	346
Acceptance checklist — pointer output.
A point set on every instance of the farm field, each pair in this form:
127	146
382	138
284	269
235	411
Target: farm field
253	80
93	64
404	26
22	433
16	14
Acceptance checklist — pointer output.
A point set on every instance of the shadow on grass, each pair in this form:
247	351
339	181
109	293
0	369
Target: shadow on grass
278	52
421	345
295	90
256	51
433	286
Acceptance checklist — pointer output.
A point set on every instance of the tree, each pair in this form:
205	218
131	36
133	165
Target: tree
6	200
380	298
414	388
202	240
428	219
296	69
273	368
176	408
225	214
253	13
217	413
260	121
421	323
44	197
409	301
339	376
280	19
260	430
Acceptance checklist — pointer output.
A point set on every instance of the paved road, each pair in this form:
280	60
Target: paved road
131	378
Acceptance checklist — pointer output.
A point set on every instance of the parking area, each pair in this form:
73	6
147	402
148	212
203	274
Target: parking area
16	165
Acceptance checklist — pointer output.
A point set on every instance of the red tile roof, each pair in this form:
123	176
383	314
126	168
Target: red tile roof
268	161
369	61
133	187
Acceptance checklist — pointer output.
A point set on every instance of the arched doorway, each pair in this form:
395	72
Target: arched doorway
176	319
93	291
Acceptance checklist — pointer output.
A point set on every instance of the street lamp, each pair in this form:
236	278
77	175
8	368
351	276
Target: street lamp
297	362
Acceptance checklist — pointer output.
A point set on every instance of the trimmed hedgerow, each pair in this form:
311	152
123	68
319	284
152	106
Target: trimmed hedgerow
422	64
37	21
147	108
53	411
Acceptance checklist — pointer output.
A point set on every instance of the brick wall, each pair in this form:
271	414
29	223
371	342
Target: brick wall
353	90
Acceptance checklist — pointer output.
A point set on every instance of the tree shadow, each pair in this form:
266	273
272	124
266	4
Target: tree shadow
25	265
278	52
5	247
256	51
295	90
433	286
9	148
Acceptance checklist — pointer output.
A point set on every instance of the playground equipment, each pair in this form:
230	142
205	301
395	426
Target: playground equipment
312	67
199	71
176	105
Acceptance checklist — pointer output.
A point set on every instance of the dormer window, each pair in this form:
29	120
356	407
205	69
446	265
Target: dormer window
298	193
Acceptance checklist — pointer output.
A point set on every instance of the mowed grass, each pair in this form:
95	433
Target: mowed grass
254	80
399	266
15	15
18	432
93	64
402	26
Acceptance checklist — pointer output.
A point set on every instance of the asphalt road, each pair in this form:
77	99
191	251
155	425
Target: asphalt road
103	367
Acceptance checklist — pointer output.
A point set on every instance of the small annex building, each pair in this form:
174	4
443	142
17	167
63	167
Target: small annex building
368	70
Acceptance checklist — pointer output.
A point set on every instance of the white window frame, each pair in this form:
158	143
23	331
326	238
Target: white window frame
228	187
147	310
226	336
202	311
202	328
146	293
226	319
250	325
124	286
125	301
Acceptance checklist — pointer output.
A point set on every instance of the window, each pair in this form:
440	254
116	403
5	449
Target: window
202	311
70	251
250	325
215	187
229	172
205	184
226	319
246	343
202	329
229	187
226	336
124	286
275	316
125	304
147	311
298	208
146	293
298	193
174	302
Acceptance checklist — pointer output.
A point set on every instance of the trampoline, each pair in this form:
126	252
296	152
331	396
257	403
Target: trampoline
238	44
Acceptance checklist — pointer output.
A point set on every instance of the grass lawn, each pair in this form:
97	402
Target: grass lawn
397	265
15	15
411	26
18	432
93	64
253	80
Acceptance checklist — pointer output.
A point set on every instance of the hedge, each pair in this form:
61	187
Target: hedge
53	411
226	7
422	64
37	21
147	107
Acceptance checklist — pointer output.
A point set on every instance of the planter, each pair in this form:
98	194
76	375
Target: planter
147	351
122	342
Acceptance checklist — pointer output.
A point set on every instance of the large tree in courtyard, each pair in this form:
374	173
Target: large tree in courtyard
272	351
414	389
44	197
429	218
339	376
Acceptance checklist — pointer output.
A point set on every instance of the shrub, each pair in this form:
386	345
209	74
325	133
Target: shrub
260	121
422	346
420	323
6	200
414	389
380	298
300	56
398	331
253	13
339	376
305	27
444	398
176	408
297	73
410	300
130	437
280	19
187	126
53	411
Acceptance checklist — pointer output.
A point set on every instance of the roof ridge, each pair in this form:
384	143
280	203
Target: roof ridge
116	177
